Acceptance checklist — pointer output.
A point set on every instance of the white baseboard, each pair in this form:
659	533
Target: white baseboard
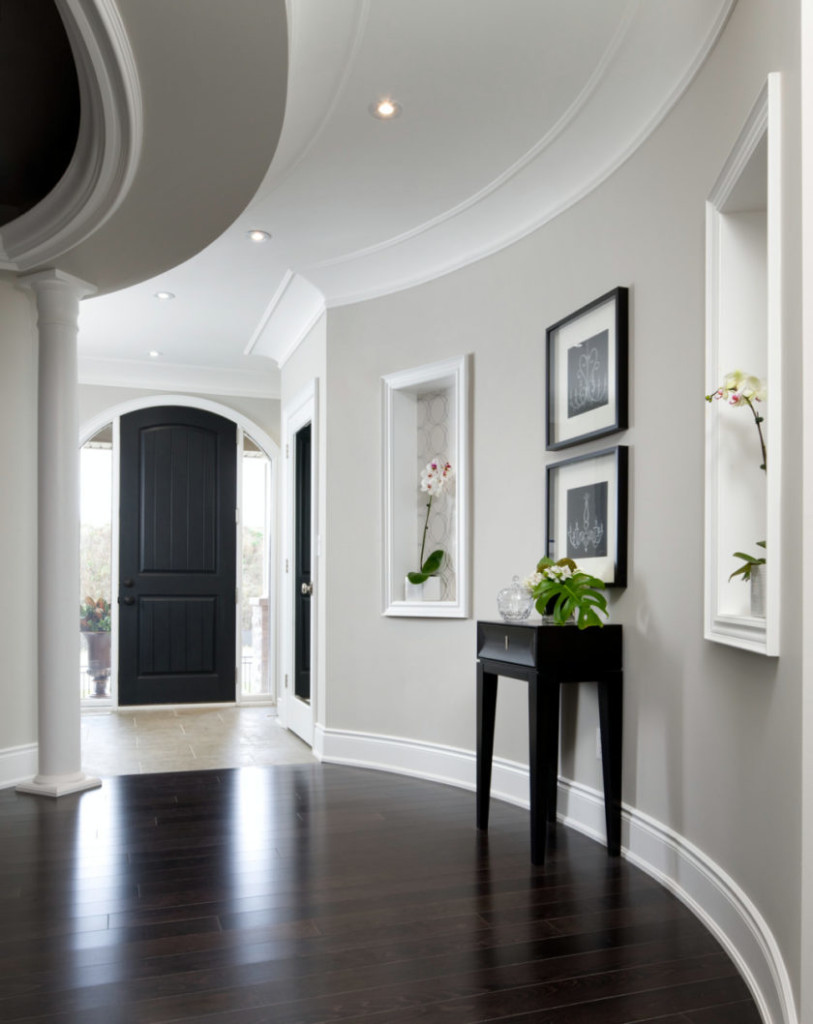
18	764
706	889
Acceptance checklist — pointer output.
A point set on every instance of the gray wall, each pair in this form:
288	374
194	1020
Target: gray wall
18	517
713	742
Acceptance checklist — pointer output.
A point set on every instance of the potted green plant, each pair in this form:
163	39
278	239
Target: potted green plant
563	591
94	624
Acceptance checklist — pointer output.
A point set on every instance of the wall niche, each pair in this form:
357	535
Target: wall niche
425	416
743	333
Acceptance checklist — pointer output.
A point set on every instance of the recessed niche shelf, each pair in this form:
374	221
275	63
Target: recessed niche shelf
425	413
743	332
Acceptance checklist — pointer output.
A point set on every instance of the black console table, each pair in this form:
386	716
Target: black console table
546	655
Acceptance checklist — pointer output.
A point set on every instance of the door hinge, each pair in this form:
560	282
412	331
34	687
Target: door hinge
237	515
287	451
286	565
286	680
237	595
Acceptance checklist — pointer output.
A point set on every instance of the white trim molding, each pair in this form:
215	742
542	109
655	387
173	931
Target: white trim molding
743	505
686	871
18	764
108	145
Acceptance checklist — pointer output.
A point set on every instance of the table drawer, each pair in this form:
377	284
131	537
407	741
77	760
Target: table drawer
504	642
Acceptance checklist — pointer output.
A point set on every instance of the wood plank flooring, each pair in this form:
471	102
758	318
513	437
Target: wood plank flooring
301	894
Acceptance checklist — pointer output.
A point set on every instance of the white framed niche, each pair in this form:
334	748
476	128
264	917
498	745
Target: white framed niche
743	332
426	414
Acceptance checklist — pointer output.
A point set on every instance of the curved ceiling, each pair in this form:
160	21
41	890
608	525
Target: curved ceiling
510	112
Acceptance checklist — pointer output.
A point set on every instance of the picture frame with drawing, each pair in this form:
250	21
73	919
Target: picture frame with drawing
587	358
586	513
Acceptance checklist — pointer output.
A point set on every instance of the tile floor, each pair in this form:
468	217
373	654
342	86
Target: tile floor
131	742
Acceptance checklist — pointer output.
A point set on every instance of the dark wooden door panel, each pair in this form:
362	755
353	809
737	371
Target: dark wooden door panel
302	566
177	557
179	500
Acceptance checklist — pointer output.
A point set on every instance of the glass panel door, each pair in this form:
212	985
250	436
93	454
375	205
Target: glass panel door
95	558
256	663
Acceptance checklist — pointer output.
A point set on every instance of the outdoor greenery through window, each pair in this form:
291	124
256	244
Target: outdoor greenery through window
95	561
256	677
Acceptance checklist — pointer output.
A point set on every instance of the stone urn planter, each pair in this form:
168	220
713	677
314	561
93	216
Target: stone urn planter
98	661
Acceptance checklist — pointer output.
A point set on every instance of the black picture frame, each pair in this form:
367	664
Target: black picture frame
586	512
587	360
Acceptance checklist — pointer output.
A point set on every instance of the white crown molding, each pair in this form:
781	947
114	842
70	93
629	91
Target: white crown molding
108	145
680	866
161	376
442	245
502	179
294	310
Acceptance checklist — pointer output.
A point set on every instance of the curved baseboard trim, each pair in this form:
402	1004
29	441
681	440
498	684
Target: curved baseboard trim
697	881
18	764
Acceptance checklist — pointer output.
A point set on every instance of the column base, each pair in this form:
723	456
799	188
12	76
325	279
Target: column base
59	785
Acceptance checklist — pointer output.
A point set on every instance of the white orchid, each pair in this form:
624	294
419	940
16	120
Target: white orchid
744	391
434	477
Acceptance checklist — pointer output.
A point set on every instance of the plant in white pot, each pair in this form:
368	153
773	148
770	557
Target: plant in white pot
424	583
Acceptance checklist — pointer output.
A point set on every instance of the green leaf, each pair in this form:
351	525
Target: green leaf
432	563
418	577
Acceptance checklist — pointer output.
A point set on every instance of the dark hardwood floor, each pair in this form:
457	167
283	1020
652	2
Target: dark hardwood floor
306	893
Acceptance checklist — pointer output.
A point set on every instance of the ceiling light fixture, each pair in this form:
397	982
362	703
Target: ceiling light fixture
154	354
165	295
258	235
385	109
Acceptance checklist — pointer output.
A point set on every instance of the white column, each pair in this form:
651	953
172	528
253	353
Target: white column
59	722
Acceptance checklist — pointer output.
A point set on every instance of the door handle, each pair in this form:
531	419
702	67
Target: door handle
128	599
306	589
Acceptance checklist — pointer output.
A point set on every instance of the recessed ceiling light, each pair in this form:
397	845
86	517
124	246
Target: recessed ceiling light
385	109
164	295
154	354
258	235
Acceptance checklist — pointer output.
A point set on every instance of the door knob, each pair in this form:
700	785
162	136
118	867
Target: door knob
306	589
128	599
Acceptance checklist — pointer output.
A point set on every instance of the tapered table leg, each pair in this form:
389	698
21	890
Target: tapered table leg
551	742
543	712
610	709
486	713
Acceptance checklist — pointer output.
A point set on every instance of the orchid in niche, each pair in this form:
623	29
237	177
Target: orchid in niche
435	477
742	391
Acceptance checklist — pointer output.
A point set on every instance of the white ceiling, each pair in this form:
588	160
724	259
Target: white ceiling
511	111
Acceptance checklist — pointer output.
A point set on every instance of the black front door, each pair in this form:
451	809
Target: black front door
177	557
303	585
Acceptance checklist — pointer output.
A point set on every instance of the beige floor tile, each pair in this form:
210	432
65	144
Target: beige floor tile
185	739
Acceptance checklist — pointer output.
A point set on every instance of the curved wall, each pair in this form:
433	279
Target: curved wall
711	733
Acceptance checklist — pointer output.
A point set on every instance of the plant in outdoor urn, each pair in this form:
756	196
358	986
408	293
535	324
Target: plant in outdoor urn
742	391
424	584
94	623
562	591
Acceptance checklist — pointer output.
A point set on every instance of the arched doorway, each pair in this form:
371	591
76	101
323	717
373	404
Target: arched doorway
257	459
